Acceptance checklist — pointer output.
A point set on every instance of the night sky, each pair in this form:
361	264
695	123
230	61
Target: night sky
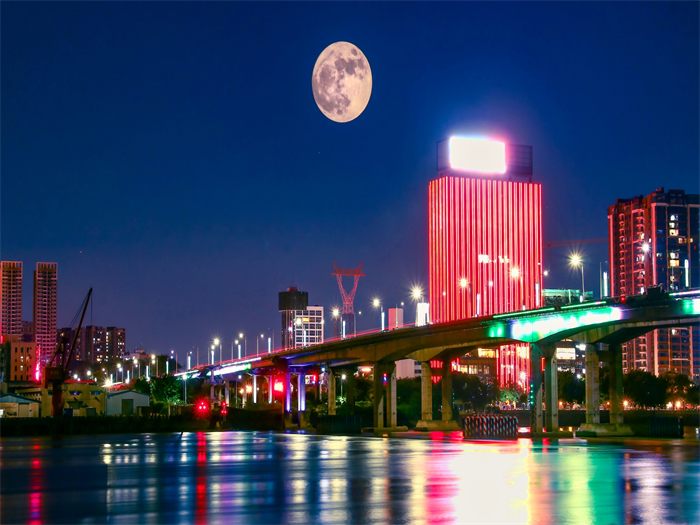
171	155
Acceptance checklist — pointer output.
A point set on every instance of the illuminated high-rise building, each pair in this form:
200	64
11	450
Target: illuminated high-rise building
11	277
485	238
653	240
45	298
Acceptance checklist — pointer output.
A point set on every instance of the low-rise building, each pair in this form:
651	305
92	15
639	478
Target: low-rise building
13	405
125	402
86	398
23	362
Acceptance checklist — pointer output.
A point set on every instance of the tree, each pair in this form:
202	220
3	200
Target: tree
571	388
645	389
167	389
142	386
509	395
472	390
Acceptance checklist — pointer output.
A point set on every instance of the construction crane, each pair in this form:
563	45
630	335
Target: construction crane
574	243
57	375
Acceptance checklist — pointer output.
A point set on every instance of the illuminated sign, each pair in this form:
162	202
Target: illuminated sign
567	354
477	155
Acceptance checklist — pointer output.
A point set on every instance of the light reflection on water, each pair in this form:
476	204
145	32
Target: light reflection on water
288	478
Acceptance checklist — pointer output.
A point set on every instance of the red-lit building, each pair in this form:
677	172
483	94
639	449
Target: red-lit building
485	235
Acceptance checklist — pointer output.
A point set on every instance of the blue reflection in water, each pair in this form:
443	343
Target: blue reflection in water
239	477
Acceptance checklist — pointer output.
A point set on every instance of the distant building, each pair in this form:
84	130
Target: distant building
407	369
11	317
13	405
28	332
554	297
115	340
45	299
422	314
125	402
571	357
302	325
22	361
395	318
653	240
481	363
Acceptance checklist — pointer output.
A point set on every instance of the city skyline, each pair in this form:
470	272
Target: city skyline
183	242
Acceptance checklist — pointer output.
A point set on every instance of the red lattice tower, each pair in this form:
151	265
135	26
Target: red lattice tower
348	298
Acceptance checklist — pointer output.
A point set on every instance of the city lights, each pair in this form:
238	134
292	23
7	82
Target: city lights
645	247
463	283
416	293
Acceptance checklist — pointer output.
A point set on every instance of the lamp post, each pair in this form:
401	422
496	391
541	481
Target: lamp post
377	303
336	330
342	380
173	354
576	261
212	354
217	342
257	344
119	368
239	349
154	361
245	345
463	285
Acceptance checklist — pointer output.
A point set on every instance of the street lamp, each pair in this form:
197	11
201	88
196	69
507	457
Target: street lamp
257	344
119	367
576	261
245	345
153	360
417	293
377	303
218	343
239	349
342	380
212	354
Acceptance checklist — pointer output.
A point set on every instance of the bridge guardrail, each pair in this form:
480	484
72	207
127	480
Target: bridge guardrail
490	426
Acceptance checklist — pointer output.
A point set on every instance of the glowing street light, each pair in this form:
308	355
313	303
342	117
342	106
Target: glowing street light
417	293
376	303
576	261
645	247
217	342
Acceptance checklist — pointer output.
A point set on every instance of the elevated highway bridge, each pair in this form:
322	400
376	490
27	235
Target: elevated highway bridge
601	325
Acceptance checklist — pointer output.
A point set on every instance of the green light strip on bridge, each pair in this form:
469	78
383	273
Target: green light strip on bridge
527	312
582	305
691	306
533	331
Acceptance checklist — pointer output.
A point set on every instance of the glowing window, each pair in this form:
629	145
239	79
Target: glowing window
673	263
673	233
477	155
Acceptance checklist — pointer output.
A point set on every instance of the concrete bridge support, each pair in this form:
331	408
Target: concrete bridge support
255	389
426	391
592	385
593	426
536	422
615	377
551	388
378	396
331	391
287	393
351	390
391	396
446	390
301	398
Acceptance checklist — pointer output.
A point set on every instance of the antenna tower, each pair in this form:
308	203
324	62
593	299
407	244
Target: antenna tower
348	297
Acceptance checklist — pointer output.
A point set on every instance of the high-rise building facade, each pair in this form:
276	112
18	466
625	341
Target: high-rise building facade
307	327
115	340
11	277
45	298
485	238
653	240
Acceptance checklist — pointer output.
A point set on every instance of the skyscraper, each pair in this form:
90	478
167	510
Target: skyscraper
45	296
485	237
11	277
653	240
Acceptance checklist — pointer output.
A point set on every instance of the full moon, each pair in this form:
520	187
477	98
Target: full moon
342	82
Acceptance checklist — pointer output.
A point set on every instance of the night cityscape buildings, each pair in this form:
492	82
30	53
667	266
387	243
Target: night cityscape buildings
11	277
485	237
653	241
45	299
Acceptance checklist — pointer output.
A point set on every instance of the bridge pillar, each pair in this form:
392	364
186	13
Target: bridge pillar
391	396
270	389
615	376
331	391
446	390
351	390
255	389
426	391
287	392
551	388
301	399
536	422
378	396
592	385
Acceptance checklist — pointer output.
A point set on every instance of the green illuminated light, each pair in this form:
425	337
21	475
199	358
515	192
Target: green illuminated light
691	306
531	331
528	312
582	305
